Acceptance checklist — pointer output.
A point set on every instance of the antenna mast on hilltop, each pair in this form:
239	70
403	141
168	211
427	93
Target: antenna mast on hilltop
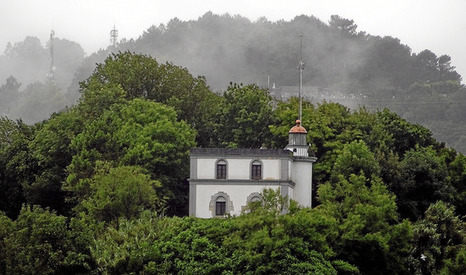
301	69
114	36
51	75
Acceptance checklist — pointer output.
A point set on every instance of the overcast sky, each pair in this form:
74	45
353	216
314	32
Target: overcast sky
437	25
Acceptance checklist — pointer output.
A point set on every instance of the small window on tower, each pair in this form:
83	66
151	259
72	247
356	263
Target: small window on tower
256	170
221	169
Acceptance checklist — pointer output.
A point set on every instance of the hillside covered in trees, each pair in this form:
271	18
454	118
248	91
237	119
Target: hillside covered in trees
351	66
101	187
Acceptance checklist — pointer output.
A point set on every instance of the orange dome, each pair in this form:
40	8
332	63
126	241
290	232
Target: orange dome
298	128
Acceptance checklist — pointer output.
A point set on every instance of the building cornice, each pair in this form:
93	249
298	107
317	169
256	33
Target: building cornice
241	182
305	159
239	152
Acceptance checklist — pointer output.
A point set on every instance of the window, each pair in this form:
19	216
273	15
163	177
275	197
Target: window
256	199
253	201
256	170
221	169
220	206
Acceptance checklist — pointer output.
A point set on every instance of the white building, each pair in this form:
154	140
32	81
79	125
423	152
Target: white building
223	180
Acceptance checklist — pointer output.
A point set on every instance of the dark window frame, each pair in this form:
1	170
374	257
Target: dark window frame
220	206
221	170
256	170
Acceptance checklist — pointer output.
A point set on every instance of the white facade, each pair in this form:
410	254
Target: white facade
223	181
279	169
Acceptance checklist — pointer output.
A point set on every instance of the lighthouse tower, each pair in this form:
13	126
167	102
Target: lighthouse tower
301	172
297	140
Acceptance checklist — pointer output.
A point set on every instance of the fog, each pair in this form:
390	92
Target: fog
254	43
430	24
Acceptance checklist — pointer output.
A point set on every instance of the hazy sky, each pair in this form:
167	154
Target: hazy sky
437	25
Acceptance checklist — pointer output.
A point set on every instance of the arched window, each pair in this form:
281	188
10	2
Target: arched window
221	172
256	170
253	201
256	198
220	206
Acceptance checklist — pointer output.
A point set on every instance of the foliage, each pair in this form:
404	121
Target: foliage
128	76
456	265
245	117
405	135
272	202
140	133
457	178
424	183
439	240
356	158
39	241
121	157
124	191
258	242
342	61
126	247
16	164
6	227
266	241
366	216
51	152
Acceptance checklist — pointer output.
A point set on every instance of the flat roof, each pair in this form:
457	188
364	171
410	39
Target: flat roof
241	152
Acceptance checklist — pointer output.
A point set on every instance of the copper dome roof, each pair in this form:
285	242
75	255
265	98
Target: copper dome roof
298	128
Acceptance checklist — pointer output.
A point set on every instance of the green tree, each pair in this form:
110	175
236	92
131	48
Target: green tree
6	227
41	242
267	241
246	116
137	133
140	75
405	135
457	178
127	247
356	158
439	239
425	182
51	152
16	164
27	60
284	117
456	265
119	192
369	235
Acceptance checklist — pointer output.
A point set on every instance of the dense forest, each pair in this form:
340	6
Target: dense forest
93	177
101	187
343	64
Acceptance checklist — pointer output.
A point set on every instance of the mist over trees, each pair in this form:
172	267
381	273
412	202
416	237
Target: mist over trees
28	93
343	64
101	186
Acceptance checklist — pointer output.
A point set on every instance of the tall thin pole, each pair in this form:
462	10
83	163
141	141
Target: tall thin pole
114	36
51	74
301	68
